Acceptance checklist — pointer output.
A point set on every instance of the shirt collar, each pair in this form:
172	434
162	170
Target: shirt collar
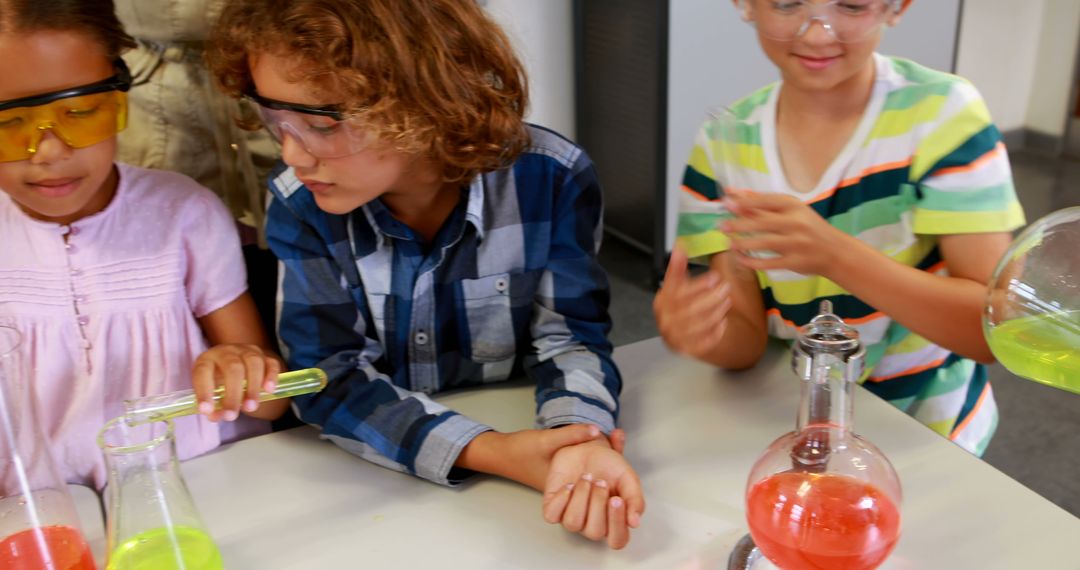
380	216
474	210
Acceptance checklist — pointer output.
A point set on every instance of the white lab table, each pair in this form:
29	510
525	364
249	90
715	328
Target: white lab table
289	500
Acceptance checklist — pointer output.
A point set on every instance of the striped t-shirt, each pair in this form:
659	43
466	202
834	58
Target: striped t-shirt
924	161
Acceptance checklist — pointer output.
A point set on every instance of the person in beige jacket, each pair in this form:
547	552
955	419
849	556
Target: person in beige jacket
178	119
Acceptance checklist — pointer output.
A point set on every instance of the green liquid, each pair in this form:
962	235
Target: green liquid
182	403
176	548
1044	348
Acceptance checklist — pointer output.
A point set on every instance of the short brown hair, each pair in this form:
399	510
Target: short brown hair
94	17
432	77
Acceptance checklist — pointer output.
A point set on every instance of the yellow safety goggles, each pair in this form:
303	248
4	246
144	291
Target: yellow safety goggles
80	116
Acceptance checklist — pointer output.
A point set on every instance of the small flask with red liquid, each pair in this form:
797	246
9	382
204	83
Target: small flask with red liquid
39	526
822	497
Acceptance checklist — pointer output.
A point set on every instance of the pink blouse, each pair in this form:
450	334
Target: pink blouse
110	313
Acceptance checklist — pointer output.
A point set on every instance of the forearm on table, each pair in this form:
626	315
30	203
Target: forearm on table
943	310
362	411
523	456
485	454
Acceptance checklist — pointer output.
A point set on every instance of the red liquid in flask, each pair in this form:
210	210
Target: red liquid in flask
67	550
819	521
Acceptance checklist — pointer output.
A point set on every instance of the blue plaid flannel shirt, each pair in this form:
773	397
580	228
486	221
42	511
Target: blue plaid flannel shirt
510	283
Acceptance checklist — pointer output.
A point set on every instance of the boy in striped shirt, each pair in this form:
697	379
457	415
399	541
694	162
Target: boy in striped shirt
867	180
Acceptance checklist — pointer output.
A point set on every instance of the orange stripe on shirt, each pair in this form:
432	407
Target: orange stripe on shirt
776	312
936	268
698	195
973	165
971	415
703	198
863	320
873	170
909	371
857	321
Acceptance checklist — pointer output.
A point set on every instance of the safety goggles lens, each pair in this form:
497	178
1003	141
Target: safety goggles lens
322	133
79	121
845	20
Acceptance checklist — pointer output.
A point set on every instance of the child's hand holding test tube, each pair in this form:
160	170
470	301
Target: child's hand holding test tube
184	402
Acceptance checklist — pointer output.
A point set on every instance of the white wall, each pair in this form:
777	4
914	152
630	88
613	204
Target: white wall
999	44
1054	67
543	35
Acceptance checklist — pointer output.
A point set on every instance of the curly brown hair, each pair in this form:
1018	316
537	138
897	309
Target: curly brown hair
96	18
431	77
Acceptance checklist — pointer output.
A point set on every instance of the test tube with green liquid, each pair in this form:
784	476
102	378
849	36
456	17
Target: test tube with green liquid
183	402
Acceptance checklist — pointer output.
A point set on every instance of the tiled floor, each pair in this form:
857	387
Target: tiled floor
1038	439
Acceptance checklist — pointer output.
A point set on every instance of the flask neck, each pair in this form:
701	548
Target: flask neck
143	447
826	399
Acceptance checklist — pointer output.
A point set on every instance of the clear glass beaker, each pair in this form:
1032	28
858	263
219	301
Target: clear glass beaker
1032	313
39	526
723	141
151	520
822	496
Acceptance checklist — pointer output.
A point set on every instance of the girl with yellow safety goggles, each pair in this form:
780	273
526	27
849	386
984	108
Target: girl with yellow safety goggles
79	116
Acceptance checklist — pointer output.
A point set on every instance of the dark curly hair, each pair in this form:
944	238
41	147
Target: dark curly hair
94	17
431	77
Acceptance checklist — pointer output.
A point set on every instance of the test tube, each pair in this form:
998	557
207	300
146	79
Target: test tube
183	402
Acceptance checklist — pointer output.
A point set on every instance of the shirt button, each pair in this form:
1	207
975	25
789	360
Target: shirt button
70	247
80	299
421	337
501	284
75	271
84	320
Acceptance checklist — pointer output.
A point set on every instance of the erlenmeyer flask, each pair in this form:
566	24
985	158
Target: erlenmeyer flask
39	526
822	496
151	519
1032	315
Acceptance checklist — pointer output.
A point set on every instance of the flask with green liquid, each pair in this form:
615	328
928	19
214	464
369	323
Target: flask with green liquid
1032	314
151	520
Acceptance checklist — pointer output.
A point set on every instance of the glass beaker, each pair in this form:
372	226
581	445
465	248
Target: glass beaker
822	496
151	519
39	526
1032	313
723	140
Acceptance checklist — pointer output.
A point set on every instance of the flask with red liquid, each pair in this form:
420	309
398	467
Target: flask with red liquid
822	497
39	526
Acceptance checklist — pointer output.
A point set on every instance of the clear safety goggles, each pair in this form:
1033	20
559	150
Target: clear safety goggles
846	20
80	116
324	131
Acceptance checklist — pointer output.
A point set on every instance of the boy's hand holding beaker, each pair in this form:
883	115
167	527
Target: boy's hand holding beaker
798	237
